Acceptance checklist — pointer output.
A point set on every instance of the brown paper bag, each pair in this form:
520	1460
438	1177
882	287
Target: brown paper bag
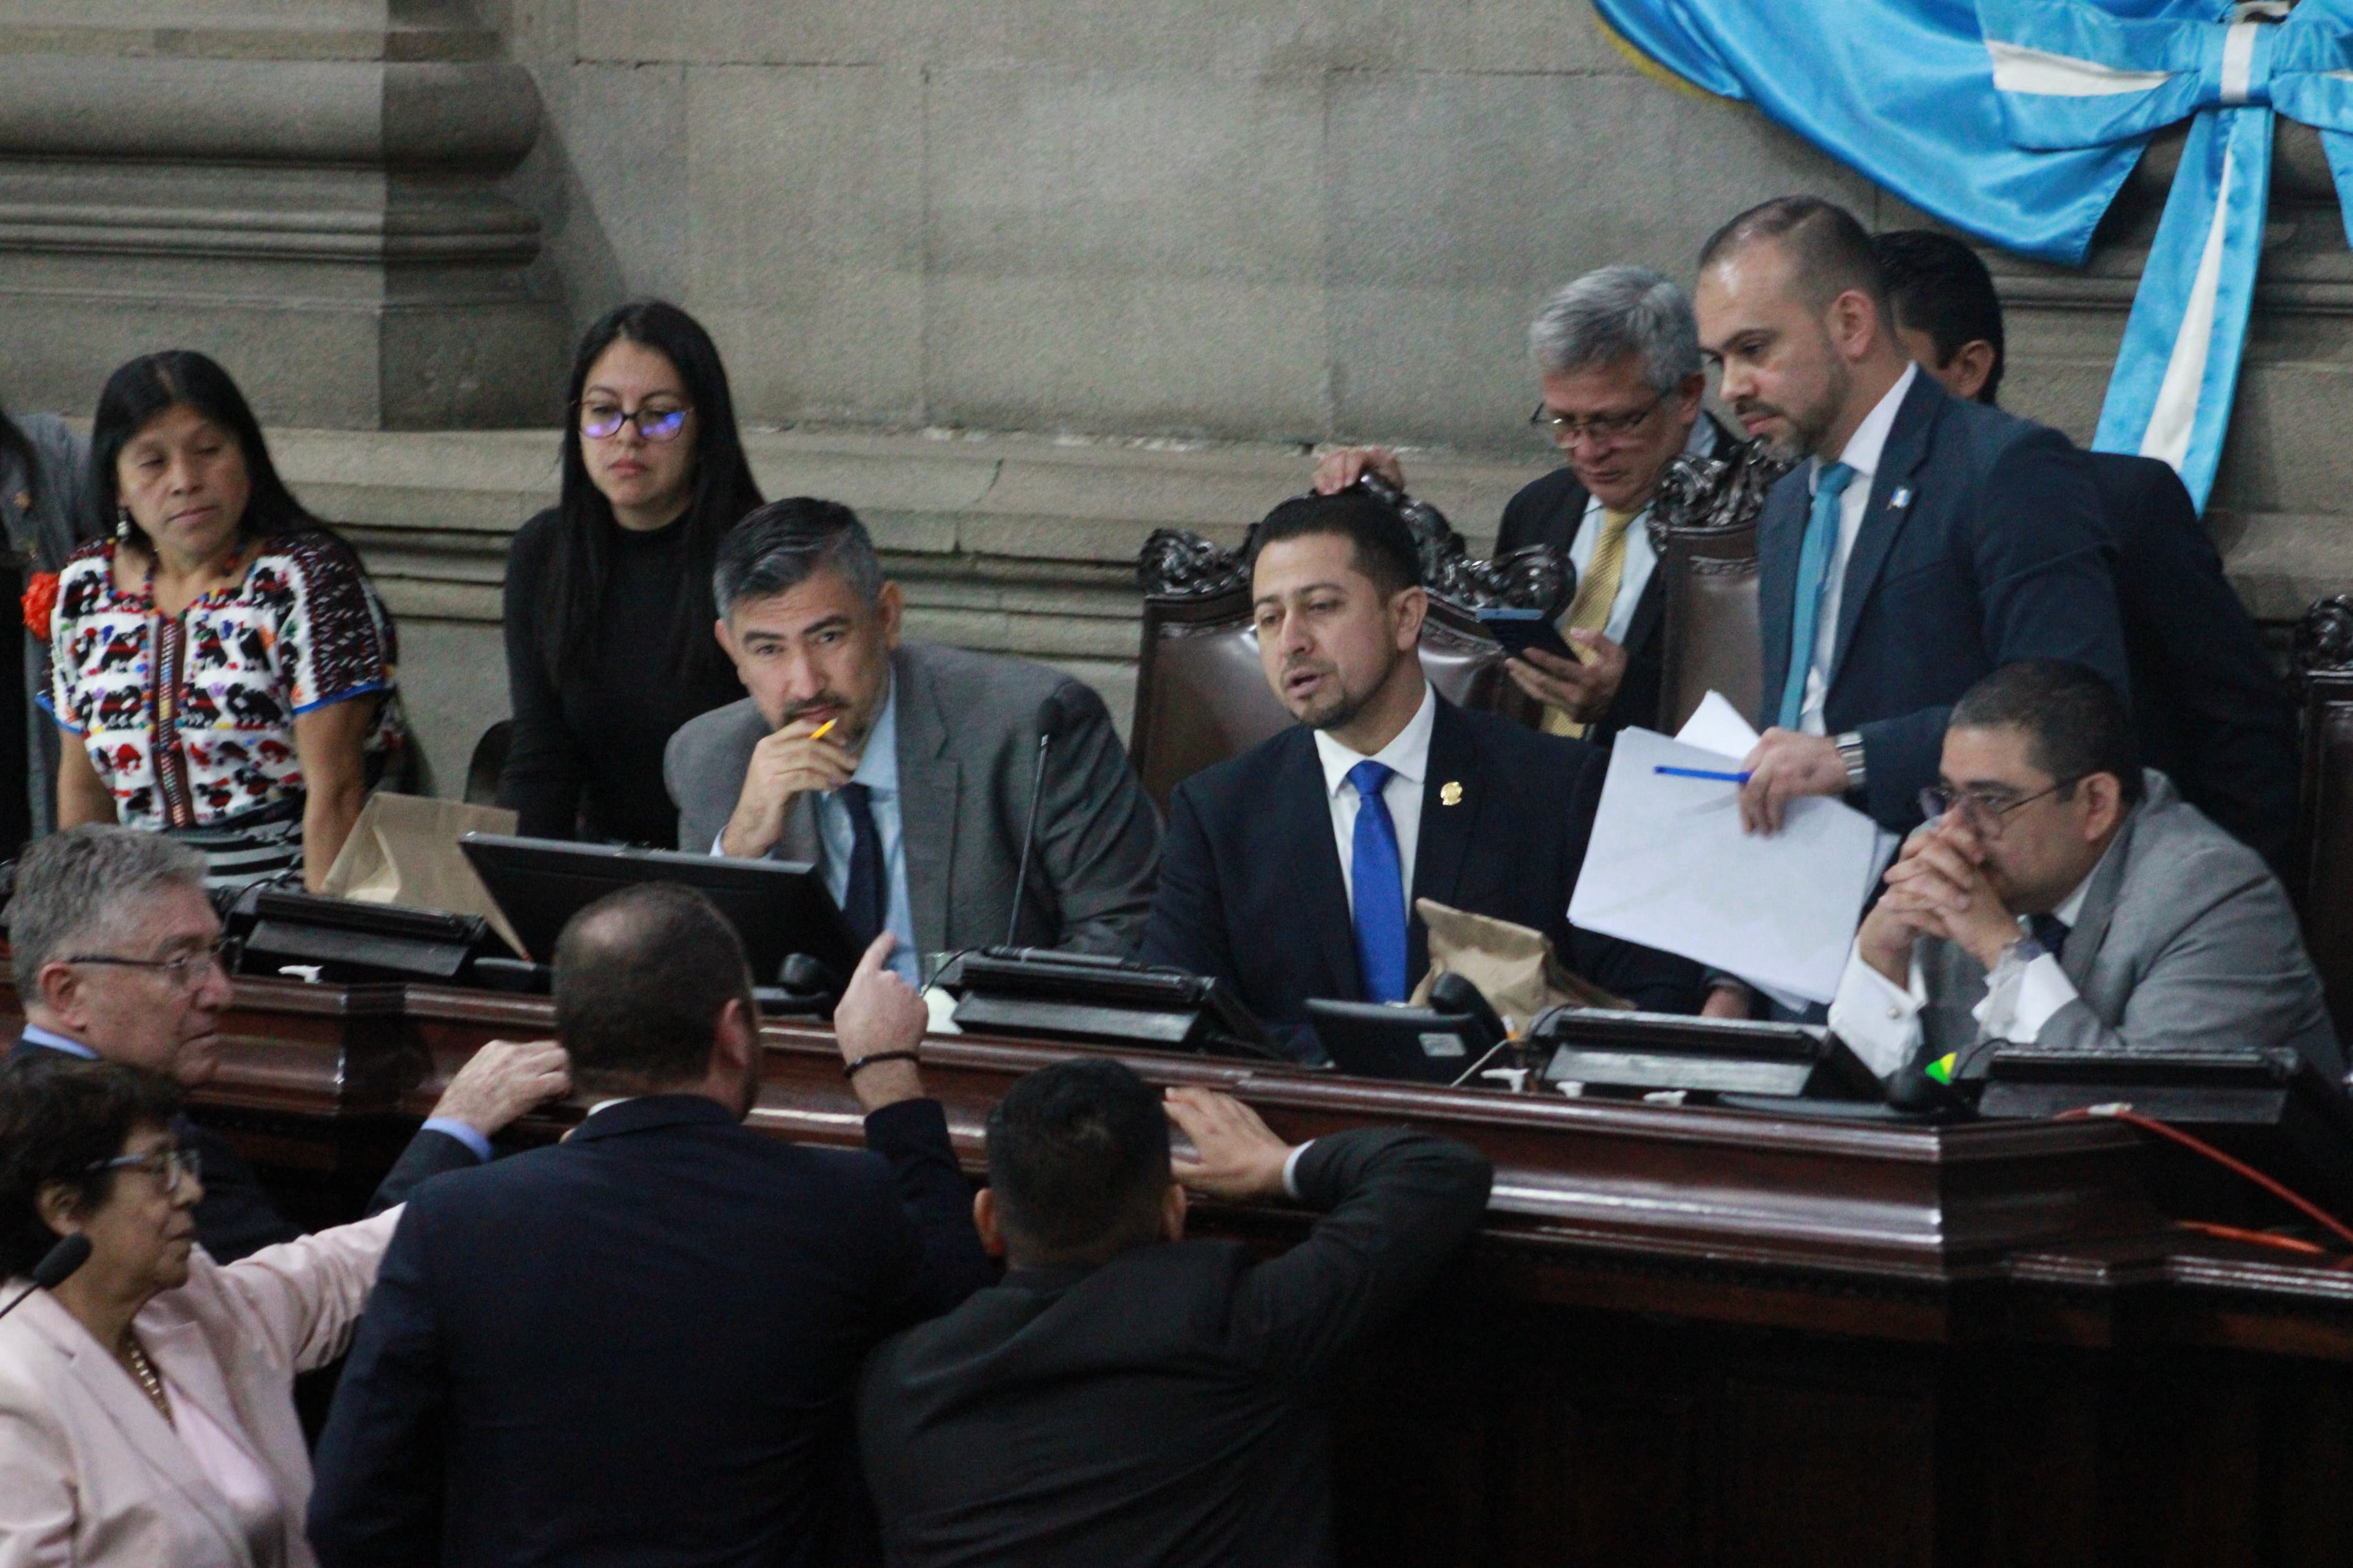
403	851
1514	967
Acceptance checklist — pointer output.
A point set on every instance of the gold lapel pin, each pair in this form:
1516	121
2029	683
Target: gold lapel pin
1449	793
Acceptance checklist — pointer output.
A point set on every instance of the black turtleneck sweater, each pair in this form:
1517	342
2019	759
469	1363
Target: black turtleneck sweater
590	747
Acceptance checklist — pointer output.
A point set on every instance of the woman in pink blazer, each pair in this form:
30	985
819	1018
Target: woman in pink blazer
146	1402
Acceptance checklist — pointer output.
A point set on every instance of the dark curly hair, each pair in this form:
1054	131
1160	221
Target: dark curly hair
59	1116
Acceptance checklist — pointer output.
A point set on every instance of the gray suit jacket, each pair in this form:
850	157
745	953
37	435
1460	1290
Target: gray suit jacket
969	729
2185	938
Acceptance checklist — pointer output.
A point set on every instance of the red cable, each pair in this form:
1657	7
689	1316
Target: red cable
2259	1237
2164	1130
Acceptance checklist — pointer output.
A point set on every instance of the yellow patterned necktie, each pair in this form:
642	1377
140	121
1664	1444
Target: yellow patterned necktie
1596	592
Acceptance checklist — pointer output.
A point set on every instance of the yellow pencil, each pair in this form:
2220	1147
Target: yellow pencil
822	730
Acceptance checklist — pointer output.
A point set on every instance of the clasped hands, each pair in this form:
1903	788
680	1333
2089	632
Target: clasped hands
1938	887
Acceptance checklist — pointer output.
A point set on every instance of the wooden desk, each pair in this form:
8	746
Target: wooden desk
1684	1336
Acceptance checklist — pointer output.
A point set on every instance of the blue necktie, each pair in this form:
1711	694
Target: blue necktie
1813	575
862	907
1377	872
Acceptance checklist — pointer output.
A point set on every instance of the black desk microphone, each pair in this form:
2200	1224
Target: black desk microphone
57	1264
1049	720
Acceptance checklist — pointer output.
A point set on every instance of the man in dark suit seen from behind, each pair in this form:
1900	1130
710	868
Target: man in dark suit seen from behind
637	1345
1616	359
1291	871
1127	1395
118	955
2210	711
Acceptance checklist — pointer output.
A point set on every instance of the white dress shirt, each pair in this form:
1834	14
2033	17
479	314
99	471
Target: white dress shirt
1408	759
1640	558
1861	453
1880	1021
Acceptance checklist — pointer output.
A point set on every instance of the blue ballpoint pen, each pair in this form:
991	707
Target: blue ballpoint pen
1700	774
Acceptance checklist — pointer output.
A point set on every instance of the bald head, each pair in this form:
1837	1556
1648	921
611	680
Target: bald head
1827	252
641	979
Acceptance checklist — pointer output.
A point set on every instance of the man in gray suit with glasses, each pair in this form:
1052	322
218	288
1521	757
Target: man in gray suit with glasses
2061	896
907	773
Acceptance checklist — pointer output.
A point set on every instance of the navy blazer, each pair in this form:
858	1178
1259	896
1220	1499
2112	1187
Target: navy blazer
635	1346
1250	890
1998	552
2210	712
237	1218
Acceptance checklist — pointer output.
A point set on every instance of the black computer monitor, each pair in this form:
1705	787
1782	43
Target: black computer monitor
778	907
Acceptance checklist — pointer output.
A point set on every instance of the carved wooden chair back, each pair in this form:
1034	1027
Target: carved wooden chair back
1704	525
1710	603
2321	877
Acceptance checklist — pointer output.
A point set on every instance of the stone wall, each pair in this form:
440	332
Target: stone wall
1254	219
1175	244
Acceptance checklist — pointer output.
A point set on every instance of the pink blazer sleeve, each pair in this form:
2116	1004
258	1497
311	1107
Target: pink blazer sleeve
298	1304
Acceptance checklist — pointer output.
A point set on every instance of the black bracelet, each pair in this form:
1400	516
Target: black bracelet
867	1061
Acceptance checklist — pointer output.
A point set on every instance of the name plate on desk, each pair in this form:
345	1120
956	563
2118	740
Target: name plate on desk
1611	1049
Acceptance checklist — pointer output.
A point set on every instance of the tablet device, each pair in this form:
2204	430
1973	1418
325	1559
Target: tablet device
1374	1039
1520	630
777	907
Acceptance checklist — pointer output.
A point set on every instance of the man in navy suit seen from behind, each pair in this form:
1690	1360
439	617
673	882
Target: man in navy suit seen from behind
1928	541
1291	871
637	1345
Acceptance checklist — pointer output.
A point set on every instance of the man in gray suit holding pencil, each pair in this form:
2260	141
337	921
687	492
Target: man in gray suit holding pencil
2061	896
908	772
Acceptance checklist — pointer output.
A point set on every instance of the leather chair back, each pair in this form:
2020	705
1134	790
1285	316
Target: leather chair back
1202	695
2321	877
1710	603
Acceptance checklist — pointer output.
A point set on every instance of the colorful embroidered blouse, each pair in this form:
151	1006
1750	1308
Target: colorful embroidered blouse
190	720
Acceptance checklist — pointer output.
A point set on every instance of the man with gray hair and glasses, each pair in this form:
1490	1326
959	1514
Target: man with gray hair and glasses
1617	357
907	773
118	956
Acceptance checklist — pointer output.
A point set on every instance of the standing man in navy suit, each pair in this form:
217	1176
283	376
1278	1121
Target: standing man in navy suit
1291	871
1927	542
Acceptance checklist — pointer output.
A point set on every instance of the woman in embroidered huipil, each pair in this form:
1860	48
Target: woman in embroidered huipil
222	668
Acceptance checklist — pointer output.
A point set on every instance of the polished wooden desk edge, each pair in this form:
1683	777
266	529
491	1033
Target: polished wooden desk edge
1911	1222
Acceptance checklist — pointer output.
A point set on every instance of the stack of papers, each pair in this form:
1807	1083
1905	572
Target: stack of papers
1669	867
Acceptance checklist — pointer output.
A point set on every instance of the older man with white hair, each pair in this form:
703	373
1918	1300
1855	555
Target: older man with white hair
1617	357
118	957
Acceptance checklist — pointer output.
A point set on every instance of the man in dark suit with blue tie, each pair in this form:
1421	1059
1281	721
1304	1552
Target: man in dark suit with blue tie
2209	708
1291	871
1929	541
637	1345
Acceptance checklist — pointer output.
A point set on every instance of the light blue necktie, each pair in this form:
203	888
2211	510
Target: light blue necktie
1378	871
1813	575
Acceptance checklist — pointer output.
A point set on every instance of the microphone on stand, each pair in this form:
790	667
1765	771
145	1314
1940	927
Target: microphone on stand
57	1264
1053	713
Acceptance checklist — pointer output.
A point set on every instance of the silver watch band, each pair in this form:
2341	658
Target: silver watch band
1850	750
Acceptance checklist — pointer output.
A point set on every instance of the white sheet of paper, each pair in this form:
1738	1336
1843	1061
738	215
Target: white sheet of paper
1715	725
1668	866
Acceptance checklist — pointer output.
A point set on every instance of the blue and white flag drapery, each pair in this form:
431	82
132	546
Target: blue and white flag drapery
2018	120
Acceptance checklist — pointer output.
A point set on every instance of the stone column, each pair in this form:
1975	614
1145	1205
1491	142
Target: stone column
305	189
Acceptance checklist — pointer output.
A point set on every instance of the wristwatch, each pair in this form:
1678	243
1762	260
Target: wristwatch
1850	751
